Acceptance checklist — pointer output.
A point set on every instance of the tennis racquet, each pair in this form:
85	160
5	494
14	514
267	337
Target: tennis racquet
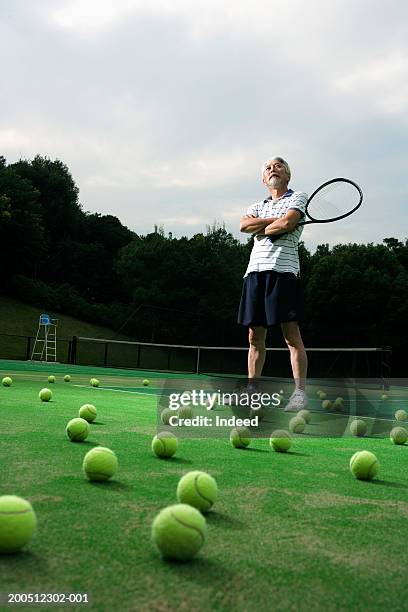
332	201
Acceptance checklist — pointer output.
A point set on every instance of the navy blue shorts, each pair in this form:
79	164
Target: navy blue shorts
269	298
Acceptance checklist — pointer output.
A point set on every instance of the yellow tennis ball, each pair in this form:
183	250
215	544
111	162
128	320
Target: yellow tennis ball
179	532
45	395
7	381
399	435
297	424
146	382
51	379
240	437
100	464
166	414
338	404
280	440
94	382
358	427
67	378
364	465
327	405
185	412
384	397
17	523
77	430
87	412
401	415
165	444
322	394
198	489
305	415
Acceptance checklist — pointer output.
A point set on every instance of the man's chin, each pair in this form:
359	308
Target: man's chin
274	183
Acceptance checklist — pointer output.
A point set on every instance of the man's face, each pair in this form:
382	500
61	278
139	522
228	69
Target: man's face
274	174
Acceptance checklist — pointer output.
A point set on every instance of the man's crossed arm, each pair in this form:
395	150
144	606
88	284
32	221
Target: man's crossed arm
272	226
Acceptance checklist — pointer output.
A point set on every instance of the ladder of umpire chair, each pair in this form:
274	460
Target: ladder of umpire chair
45	348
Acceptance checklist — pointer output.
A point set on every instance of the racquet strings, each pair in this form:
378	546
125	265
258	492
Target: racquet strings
333	200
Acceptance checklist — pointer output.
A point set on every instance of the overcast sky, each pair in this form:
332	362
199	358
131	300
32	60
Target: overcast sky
164	110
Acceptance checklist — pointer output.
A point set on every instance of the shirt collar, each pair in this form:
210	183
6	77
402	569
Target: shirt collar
288	193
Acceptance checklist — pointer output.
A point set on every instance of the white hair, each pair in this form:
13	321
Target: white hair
282	161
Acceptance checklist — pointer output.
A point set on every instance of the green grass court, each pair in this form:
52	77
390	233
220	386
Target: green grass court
290	531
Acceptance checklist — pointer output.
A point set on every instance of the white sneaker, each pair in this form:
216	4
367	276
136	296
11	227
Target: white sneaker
297	401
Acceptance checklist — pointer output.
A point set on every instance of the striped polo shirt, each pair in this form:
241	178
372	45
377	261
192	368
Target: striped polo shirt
281	255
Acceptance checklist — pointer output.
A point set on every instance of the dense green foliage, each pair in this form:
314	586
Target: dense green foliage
156	287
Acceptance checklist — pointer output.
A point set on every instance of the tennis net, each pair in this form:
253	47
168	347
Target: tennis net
220	360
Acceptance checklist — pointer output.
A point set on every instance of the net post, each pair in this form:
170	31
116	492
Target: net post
198	361
28	349
385	366
74	347
105	355
138	357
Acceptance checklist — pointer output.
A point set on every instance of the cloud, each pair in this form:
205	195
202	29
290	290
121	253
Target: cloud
167	110
384	82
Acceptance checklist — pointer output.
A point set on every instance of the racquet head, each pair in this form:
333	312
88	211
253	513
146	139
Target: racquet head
333	200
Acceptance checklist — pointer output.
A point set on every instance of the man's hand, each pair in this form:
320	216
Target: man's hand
251	224
284	225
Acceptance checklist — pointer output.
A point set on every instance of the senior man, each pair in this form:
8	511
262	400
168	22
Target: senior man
271	292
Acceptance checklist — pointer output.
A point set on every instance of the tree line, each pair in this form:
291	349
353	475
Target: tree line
159	288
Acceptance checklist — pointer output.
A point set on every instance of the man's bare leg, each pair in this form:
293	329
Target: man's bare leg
298	356
257	351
